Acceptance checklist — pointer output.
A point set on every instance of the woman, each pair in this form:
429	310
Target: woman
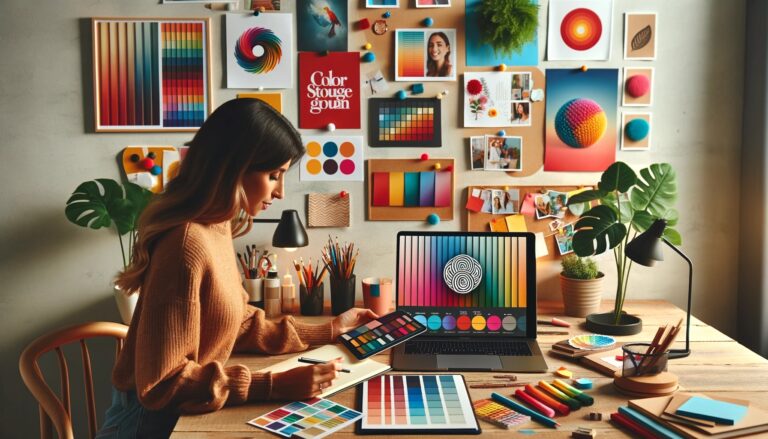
521	113
439	55
192	312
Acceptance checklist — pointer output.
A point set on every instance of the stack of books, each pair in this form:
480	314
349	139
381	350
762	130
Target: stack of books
601	360
692	416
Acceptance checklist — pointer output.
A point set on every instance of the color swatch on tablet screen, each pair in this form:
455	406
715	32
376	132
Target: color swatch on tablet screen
314	418
417	402
409	122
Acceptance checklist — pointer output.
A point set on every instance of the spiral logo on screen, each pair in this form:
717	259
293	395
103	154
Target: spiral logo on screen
462	274
258	37
581	29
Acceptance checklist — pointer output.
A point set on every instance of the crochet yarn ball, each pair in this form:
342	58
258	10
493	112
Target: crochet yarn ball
638	85
580	123
637	129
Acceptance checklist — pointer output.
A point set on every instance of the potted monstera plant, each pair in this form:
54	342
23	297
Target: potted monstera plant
106	203
628	205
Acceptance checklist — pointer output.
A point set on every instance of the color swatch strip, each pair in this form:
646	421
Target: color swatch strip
410	54
416	401
421	260
183	74
412	189
315	418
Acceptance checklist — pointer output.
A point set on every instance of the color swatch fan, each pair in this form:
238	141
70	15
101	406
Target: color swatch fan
591	341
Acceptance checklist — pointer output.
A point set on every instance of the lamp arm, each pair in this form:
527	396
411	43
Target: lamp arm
264	220
680	353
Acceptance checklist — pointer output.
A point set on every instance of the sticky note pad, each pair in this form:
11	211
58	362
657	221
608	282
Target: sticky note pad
411	188
527	207
516	223
443	189
396	188
427	189
380	194
712	410
474	204
541	245
499	225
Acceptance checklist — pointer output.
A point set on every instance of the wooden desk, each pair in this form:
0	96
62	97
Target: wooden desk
717	365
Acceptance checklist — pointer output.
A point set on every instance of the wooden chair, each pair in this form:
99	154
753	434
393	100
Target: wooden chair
55	410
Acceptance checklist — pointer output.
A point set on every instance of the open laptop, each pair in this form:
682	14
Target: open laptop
476	294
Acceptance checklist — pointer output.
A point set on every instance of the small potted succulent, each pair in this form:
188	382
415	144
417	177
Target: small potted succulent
581	283
103	203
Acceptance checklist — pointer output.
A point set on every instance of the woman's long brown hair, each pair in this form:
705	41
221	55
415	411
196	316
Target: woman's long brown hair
241	136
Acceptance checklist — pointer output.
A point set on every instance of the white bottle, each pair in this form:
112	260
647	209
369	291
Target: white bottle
272	294
288	293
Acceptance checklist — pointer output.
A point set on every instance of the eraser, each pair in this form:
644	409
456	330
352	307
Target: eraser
583	383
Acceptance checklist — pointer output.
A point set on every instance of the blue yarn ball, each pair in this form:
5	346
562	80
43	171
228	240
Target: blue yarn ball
637	129
433	219
156	170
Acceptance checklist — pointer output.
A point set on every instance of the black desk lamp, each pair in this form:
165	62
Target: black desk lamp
645	249
289	233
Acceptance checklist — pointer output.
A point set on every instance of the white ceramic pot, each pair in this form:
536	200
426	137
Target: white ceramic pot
126	304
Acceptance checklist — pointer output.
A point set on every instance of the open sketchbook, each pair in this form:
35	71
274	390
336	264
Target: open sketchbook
360	370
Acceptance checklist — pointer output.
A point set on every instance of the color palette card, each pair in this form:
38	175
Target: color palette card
332	158
430	404
314	418
409	122
381	334
491	411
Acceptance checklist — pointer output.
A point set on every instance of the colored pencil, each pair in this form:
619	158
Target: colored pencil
528	399
495	385
573	392
547	400
574	404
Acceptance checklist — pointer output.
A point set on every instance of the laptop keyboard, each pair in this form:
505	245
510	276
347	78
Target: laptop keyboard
467	347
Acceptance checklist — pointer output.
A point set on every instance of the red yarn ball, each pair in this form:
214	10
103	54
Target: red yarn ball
147	163
474	87
638	85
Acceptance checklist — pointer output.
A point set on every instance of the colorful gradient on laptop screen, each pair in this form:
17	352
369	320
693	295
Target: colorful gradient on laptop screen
459	285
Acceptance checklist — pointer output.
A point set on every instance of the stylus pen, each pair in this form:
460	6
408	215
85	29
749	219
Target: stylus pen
313	361
536	416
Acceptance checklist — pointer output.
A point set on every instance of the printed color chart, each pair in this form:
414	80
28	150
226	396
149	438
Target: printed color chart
433	403
315	418
410	122
411	54
151	75
412	189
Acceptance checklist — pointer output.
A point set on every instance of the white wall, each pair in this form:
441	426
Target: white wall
54	273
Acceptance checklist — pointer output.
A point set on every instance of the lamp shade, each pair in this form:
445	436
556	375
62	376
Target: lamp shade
290	231
645	249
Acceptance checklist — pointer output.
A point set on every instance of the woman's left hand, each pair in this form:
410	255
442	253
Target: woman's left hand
351	319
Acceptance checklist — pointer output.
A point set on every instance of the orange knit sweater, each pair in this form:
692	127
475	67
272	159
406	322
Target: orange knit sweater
191	315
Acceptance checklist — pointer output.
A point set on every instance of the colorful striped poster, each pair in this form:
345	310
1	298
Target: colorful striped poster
151	75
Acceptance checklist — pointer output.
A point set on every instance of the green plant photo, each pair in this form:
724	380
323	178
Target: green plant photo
103	202
507	25
629	204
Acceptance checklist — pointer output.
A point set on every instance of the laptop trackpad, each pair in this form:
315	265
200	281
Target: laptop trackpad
468	362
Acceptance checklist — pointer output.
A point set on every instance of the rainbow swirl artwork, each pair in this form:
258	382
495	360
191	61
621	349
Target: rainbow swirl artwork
581	29
258	50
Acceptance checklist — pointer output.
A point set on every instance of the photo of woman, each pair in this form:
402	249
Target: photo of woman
521	113
503	153
439	55
477	152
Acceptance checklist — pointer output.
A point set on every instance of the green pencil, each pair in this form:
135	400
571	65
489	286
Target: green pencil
536	416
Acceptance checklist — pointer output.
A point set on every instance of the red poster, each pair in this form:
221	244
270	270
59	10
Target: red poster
329	89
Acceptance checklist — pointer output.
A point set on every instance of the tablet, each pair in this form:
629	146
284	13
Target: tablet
381	334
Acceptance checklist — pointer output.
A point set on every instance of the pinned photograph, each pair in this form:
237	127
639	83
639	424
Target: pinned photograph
376	83
477	152
521	113
555	225
425	55
636	131
640	36
552	204
521	85
503	153
564	240
382	4
487	196
543	206
433	3
508	201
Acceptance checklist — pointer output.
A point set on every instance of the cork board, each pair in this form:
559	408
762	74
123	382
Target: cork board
479	222
399	213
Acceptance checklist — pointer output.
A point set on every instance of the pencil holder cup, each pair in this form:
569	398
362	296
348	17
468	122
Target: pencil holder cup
312	300
638	362
255	290
377	294
342	294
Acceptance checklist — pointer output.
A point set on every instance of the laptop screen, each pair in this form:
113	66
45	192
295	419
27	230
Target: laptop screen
468	283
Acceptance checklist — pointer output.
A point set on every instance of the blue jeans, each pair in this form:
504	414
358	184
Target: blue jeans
128	419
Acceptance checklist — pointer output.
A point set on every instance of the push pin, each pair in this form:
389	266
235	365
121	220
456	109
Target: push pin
438	166
584	68
343	194
367	46
152	155
506	188
428	22
386	14
369	57
433	219
331	127
147	163
502	67
449	168
501	133
156	170
401	95
424	156
260	88
135	158
363	24
417	89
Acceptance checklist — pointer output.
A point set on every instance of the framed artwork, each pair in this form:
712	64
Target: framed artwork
259	50
382	4
433	3
425	54
637	90
409	122
151	74
636	131
329	90
322	25
640	35
497	99
581	129
479	54
579	30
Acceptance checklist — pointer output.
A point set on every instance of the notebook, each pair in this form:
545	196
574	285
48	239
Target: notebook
360	370
755	421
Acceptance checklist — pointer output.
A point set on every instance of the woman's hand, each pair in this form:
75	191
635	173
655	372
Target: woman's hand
351	319
304	382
